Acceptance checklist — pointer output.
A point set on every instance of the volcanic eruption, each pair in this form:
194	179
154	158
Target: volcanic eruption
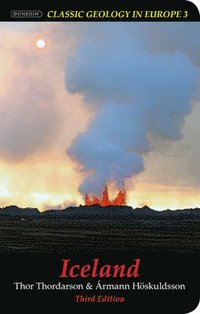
119	200
138	98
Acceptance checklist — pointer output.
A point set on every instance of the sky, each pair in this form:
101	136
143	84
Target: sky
100	103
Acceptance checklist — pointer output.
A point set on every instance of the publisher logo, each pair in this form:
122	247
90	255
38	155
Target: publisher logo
24	14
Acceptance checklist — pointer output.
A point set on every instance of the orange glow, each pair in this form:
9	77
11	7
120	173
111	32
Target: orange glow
119	200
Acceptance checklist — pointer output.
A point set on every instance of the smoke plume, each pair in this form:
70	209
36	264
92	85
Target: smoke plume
134	91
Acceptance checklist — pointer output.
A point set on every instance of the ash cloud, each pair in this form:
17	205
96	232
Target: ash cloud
134	91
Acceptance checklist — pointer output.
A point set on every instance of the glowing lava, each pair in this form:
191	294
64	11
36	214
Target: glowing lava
119	200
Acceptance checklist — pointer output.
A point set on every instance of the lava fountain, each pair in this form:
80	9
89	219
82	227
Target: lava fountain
119	200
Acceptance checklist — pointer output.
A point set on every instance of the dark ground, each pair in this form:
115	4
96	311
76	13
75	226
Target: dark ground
141	233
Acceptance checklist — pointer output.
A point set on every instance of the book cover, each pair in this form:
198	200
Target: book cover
99	156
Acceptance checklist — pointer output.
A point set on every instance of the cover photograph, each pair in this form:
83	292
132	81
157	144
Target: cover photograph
99	156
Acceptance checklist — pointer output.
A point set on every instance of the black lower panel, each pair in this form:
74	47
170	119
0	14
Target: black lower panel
166	283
